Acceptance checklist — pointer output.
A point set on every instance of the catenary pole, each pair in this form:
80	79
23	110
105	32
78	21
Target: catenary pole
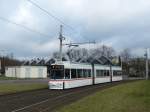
147	69
61	38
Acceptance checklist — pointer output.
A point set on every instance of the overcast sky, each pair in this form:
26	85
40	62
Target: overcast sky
117	23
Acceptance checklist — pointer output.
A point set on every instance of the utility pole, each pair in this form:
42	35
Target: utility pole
2	61
61	38
147	69
0	66
111	74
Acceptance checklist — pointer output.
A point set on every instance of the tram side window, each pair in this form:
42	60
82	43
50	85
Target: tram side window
108	73
57	74
99	73
67	73
89	73
105	72
102	73
73	73
84	73
79	73
117	73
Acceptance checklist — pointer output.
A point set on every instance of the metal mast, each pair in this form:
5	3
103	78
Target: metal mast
0	66
61	38
147	69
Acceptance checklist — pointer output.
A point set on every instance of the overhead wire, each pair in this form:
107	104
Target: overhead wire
35	31
23	26
53	16
50	14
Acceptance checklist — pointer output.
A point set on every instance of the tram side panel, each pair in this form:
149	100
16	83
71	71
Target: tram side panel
117	74
77	83
55	84
102	80
117	78
101	74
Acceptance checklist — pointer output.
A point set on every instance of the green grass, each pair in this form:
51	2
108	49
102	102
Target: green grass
130	97
7	78
14	88
15	78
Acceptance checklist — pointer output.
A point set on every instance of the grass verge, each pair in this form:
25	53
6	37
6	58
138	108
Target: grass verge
7	78
130	97
14	88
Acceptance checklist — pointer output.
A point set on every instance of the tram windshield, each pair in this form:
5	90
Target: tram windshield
57	72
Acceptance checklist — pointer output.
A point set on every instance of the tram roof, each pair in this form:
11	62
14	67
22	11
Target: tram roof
74	65
77	63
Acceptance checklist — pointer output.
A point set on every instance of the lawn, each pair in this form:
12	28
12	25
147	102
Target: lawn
14	88
7	78
130	97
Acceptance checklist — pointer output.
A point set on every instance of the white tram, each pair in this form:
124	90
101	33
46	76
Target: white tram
65	75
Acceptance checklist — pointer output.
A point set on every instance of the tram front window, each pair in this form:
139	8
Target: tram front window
57	74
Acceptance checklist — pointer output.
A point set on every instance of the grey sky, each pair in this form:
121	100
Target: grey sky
118	23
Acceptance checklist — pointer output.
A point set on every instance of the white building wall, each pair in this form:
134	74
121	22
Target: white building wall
22	73
10	72
27	72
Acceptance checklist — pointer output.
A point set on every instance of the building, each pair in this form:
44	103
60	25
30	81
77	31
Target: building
26	71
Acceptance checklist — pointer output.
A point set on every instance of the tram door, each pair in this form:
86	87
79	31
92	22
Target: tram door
57	72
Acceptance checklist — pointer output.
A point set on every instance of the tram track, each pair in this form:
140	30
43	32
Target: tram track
48	100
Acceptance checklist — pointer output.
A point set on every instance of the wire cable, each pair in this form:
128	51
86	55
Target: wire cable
50	14
25	27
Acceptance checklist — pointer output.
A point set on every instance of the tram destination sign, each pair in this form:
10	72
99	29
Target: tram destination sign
57	67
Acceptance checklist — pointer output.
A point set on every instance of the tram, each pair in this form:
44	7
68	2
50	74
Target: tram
65	74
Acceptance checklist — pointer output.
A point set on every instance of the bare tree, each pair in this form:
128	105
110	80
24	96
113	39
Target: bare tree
77	53
55	55
104	51
125	55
